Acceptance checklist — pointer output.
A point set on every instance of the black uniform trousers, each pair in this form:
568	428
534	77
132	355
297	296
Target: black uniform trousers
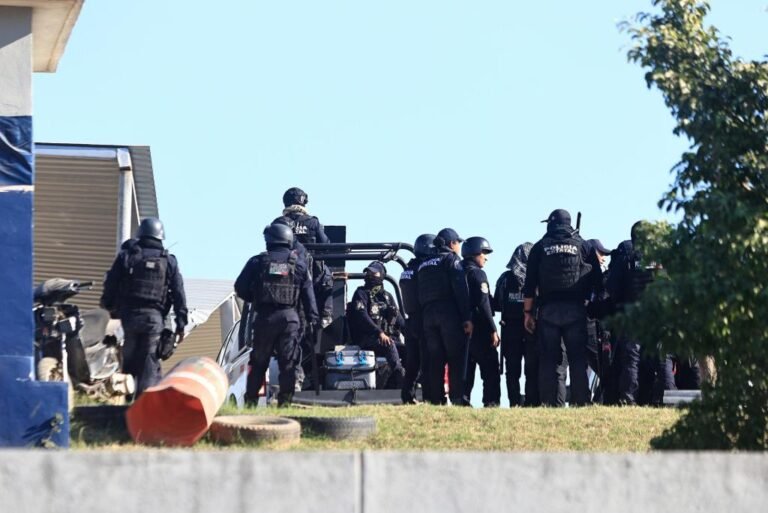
274	330
484	355
562	323
643	379
593	347
655	375
416	363
446	344
142	329
518	345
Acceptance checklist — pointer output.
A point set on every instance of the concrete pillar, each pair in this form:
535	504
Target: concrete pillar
31	413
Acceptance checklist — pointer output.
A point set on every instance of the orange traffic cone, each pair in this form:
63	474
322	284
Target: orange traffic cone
179	410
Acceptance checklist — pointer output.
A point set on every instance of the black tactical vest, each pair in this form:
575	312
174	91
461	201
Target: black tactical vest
146	277
434	280
277	286
562	266
511	299
409	287
302	229
381	312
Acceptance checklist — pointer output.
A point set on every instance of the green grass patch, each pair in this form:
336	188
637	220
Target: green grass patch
435	428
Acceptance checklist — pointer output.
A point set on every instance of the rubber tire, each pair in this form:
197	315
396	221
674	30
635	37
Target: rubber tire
234	429
339	428
47	370
101	414
103	418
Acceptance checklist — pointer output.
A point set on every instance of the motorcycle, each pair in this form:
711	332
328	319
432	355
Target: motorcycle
75	347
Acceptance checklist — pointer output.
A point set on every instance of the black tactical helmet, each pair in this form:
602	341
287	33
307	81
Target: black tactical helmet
295	196
424	245
278	234
474	246
151	227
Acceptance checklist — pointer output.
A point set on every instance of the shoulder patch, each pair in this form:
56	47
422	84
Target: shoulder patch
484	288
360	305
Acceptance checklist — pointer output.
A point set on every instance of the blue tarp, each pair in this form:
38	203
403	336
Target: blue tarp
16	156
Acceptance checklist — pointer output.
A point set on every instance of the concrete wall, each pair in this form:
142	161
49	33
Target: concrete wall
239	481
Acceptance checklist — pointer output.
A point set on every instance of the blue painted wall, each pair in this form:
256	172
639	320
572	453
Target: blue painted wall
31	413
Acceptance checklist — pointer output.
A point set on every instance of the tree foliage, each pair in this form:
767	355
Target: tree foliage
713	299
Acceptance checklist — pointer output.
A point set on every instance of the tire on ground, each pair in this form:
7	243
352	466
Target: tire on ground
101	414
232	429
339	428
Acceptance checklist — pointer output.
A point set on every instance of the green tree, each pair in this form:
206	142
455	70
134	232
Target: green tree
713	299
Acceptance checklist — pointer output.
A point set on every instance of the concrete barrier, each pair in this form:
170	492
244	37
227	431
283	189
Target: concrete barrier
239	481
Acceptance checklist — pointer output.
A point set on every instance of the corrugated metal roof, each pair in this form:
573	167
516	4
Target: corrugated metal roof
205	296
144	180
205	340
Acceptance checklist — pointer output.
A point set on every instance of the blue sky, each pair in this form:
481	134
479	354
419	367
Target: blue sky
397	118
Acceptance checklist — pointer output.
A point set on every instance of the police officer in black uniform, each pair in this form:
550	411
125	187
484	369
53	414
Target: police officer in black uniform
415	344
375	321
140	287
274	282
641	380
307	229
516	343
322	284
485	337
444	298
595	357
557	268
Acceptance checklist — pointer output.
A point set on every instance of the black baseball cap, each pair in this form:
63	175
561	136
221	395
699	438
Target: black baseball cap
376	267
449	234
559	216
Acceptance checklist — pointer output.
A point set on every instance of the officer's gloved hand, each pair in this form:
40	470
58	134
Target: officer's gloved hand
179	335
167	345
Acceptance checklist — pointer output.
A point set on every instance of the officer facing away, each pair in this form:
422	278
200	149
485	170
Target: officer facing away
322	284
139	288
274	282
444	298
627	280
516	343
375	320
557	268
415	343
595	358
485	337
306	228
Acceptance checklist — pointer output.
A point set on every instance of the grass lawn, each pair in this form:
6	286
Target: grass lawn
423	427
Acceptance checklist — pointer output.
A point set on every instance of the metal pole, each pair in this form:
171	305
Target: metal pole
125	196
